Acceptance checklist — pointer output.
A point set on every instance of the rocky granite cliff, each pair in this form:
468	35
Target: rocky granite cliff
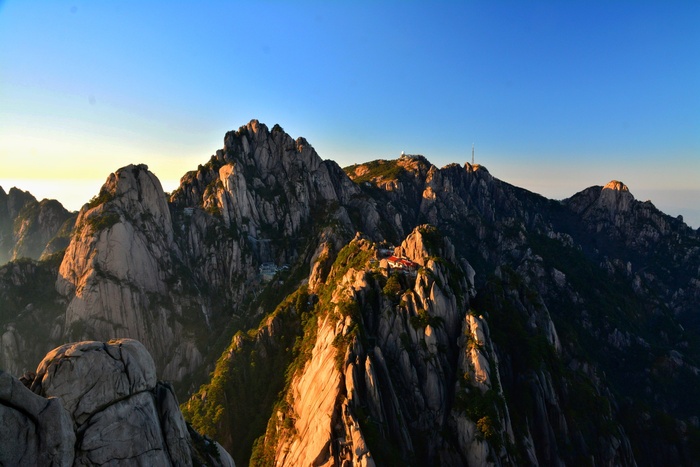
389	313
97	403
393	367
119	274
31	228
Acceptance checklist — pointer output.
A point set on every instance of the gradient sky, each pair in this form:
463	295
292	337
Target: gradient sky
557	96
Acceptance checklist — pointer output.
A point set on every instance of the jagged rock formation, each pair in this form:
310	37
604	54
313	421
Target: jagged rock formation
95	403
386	367
31	313
613	210
406	373
250	374
534	331
658	252
262	198
118	273
31	228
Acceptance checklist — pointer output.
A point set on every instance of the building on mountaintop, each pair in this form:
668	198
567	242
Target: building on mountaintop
402	264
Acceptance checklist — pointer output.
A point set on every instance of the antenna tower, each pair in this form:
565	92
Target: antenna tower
472	153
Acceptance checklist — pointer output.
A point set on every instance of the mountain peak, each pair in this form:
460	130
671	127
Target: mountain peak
616	185
615	197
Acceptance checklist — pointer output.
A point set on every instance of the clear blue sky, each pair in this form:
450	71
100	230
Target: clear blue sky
557	96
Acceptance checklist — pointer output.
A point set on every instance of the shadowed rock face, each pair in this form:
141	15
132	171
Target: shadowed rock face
92	403
31	228
610	202
33	430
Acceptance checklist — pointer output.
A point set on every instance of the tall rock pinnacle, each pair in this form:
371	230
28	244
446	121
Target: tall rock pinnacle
615	197
116	269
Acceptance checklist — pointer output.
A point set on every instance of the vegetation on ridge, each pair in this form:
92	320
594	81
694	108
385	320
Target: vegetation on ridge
352	256
376	170
235	405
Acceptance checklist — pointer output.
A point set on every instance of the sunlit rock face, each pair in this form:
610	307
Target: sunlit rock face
96	403
397	379
268	186
616	198
118	271
114	237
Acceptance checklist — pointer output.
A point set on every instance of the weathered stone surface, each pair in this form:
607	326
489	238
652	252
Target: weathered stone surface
117	273
69	372
33	430
615	197
405	401
315	393
224	457
138	265
116	413
19	443
30	318
172	425
126	431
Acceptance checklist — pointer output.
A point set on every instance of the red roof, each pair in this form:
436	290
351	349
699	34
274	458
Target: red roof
402	262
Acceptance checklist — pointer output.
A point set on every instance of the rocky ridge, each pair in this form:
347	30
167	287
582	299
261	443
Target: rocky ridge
657	252
546	310
31	228
398	384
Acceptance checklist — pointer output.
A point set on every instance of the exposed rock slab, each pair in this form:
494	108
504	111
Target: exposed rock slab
117	272
33	430
116	412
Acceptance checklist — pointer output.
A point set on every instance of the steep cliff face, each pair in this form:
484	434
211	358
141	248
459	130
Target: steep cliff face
119	273
264	199
95	403
551	388
265	189
563	410
659	253
31	313
30	310
235	405
601	262
485	217
396	189
173	273
31	228
613	212
396	368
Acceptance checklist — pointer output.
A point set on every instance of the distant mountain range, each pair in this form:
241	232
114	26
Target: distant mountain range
507	328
